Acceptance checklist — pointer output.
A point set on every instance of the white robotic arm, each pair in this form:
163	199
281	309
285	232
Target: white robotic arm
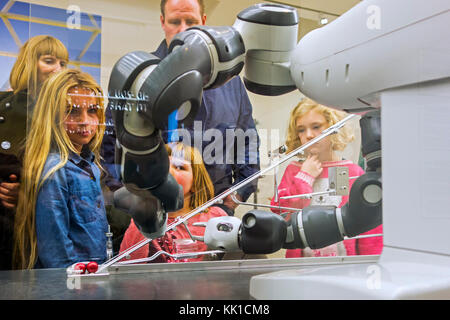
343	65
381	52
201	58
270	33
376	46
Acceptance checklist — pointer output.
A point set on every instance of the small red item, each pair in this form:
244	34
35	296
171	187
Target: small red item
92	267
81	267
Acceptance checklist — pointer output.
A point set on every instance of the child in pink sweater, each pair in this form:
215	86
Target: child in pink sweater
308	120
186	166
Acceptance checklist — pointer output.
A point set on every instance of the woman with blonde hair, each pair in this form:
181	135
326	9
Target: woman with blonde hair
188	169
40	57
61	215
307	121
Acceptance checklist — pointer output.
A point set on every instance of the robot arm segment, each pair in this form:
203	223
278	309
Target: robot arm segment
315	226
143	165
346	63
220	52
146	91
270	34
206	57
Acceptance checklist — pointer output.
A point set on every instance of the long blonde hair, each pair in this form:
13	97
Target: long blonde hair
24	74
202	186
339	140
46	134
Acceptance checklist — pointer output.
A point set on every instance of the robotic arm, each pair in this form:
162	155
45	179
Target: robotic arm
143	91
315	226
346	65
265	35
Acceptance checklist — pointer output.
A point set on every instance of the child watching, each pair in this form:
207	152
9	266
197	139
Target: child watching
186	166
61	215
307	121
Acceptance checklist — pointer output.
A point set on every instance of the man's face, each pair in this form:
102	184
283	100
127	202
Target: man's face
180	15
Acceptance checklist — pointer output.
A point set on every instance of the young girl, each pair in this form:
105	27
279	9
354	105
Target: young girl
60	216
307	121
186	166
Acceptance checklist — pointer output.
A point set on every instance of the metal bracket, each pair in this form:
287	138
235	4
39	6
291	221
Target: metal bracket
338	180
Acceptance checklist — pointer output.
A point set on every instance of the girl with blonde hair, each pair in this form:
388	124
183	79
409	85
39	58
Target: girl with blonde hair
188	169
60	215
40	57
307	121
331	116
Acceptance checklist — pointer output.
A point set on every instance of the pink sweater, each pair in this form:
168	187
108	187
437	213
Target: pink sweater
166	243
295	181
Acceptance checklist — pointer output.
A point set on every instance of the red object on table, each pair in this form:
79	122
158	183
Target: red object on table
81	267
92	267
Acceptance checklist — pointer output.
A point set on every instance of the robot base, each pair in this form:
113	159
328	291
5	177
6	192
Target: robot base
398	275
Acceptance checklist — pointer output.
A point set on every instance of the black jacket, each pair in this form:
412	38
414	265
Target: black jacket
13	128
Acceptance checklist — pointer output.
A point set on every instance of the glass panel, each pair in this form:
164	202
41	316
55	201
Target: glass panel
96	35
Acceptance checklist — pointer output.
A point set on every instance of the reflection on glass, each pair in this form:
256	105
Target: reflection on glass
232	131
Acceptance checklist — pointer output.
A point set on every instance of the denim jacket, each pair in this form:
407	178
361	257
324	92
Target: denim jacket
71	222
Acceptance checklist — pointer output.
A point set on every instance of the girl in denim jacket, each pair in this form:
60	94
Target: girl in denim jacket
61	215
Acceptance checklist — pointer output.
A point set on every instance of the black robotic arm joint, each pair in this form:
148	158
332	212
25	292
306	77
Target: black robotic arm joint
370	124
224	76
222	48
123	74
227	41
363	211
146	171
262	232
148	214
267	90
320	226
185	91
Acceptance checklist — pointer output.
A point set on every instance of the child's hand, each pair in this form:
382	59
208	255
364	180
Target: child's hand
9	192
228	201
312	166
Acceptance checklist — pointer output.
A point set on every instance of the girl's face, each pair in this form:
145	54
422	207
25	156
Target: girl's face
48	64
82	121
309	126
181	170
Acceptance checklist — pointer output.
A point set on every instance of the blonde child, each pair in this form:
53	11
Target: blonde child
307	120
61	216
186	166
